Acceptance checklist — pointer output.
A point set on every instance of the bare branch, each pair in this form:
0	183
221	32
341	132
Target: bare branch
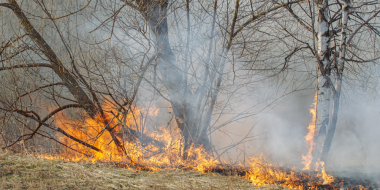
26	66
255	17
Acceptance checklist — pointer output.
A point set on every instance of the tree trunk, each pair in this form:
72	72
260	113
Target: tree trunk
202	130
187	117
203	133
324	90
338	83
59	69
155	14
56	64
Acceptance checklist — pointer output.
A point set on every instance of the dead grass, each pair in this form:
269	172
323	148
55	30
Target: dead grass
19	171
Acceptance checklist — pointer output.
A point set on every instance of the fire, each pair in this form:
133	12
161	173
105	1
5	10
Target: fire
153	148
262	173
160	147
306	160
326	177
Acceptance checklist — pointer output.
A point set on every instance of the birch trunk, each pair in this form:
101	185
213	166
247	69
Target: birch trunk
323	88
338	82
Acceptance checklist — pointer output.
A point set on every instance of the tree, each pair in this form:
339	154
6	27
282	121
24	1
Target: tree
340	66
331	55
192	71
323	85
80	91
194	119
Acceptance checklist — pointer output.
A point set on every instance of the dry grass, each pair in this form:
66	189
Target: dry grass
19	171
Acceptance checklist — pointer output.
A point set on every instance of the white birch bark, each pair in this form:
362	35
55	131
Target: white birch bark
343	39
338	81
324	90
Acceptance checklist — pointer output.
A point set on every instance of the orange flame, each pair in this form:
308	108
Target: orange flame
148	155
326	177
262	173
306	160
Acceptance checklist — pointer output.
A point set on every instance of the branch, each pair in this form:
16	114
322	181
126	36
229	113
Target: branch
130	4
48	137
24	113
88	3
290	55
39	88
300	21
255	17
113	16
56	64
7	5
362	61
75	139
26	66
356	31
144	69
214	96
53	113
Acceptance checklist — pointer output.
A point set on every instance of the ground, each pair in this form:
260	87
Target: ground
19	171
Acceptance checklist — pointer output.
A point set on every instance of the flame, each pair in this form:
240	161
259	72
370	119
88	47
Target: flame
328	179
262	173
306	160
161	148
148	156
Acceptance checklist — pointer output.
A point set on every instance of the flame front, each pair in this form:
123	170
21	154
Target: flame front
306	160
155	148
262	173
161	147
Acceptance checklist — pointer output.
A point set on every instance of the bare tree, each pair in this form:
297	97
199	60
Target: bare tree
323	87
330	54
190	53
339	68
193	107
84	94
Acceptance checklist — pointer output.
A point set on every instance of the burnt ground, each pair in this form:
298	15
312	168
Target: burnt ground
343	179
370	180
306	179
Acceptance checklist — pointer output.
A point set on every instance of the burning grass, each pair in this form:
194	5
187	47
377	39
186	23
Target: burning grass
145	150
144	146
19	171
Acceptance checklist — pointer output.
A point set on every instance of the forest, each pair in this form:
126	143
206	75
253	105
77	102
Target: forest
279	91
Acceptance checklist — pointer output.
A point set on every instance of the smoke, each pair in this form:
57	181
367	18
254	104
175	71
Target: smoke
279	132
241	117
356	139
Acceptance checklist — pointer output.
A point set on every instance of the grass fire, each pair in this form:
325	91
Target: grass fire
179	94
161	149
